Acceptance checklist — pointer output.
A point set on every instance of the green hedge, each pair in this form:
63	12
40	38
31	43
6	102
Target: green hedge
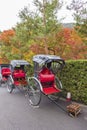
74	79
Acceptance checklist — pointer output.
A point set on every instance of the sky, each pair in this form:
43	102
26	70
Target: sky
9	10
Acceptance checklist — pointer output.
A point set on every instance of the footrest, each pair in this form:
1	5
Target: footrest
17	83
74	109
50	90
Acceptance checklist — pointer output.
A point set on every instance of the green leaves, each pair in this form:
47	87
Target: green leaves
80	16
40	23
74	79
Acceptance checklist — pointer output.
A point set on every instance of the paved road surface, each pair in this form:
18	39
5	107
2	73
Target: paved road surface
16	114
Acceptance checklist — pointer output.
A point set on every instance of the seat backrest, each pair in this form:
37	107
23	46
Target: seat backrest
45	70
18	73
5	71
46	75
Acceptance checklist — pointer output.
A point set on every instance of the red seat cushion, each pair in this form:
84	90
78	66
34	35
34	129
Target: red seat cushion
6	71
50	90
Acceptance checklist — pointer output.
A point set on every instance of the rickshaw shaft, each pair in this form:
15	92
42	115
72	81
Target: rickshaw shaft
57	104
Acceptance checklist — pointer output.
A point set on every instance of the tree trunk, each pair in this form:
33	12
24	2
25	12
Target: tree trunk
44	22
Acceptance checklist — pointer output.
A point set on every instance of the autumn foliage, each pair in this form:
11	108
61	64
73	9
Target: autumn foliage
66	43
6	36
73	46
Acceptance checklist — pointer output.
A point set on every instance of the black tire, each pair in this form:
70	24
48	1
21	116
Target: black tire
33	91
0	84
10	85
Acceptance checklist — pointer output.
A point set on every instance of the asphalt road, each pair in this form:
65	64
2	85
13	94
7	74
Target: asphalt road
17	114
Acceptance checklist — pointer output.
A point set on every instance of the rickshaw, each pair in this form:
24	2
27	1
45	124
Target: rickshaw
18	74
45	80
5	73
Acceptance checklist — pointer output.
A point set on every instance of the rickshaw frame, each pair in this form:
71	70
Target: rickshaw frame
35	84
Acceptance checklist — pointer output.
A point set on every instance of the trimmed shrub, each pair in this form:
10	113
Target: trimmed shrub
74	79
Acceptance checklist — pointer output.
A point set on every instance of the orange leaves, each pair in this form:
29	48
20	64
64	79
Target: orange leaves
15	50
75	43
66	34
70	36
69	44
6	36
66	43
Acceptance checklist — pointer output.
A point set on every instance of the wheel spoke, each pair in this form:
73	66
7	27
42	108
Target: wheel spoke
9	85
34	93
